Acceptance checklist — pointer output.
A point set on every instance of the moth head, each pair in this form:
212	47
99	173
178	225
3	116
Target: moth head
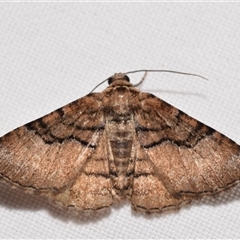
118	76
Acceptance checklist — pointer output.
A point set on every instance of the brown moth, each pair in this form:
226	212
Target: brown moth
117	144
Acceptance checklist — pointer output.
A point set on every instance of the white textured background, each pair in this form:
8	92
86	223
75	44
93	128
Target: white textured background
52	54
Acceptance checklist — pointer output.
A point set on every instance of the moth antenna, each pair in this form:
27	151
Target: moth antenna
99	84
143	78
167	71
146	71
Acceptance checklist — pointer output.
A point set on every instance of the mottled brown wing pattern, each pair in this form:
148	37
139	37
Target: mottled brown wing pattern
53	154
187	158
149	191
119	144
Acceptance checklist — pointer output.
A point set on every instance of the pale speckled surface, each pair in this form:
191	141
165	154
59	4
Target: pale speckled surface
52	54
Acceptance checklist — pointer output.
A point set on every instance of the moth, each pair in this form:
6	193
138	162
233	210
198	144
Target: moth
120	143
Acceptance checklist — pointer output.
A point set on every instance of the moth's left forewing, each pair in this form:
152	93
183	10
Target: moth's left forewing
50	155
